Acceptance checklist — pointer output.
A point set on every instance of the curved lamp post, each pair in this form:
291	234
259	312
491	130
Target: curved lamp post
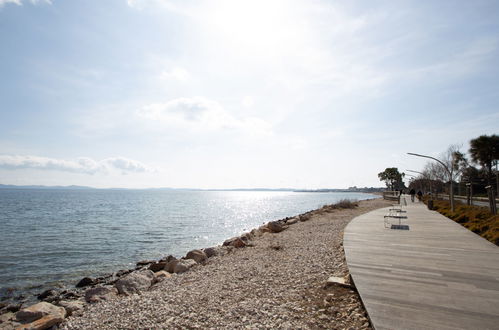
421	173
451	192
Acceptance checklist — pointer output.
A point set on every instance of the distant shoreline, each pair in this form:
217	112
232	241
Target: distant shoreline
74	187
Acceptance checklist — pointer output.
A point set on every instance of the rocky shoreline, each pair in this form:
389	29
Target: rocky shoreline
273	276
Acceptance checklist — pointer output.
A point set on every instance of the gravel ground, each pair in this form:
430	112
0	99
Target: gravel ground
277	283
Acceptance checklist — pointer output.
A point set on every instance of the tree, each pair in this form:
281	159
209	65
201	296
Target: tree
392	177
484	150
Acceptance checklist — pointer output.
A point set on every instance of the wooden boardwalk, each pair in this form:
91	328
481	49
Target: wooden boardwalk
436	275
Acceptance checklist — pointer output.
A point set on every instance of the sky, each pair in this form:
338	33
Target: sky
240	94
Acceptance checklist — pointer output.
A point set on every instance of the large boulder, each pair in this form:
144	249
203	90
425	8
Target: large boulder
37	311
99	293
236	242
183	265
135	282
196	255
275	226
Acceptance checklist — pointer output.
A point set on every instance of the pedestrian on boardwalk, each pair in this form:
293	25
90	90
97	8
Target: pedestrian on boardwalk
412	192
420	195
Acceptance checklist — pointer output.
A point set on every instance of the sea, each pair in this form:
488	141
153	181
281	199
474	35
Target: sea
51	238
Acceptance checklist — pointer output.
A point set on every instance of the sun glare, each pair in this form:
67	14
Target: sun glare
254	26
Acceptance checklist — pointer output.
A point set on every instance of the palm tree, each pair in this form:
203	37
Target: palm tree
484	150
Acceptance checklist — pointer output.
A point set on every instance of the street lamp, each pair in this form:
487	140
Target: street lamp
424	175
451	193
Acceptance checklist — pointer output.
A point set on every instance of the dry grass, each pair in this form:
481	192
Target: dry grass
342	204
477	219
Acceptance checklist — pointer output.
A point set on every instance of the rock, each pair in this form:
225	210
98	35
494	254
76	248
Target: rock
293	220
214	251
167	259
184	265
135	282
157	266
275	226
6	317
86	281
236	242
170	266
37	311
71	306
99	293
196	255
13	307
123	272
161	276
340	281
304	217
264	229
44	322
145	262
45	294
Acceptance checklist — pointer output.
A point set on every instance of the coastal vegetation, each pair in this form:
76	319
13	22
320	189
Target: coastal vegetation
477	219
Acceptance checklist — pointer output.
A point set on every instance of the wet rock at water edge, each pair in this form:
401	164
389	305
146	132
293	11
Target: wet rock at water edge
145	263
275	226
236	242
86	281
157	266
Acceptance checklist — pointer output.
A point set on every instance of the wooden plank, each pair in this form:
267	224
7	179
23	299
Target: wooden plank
436	275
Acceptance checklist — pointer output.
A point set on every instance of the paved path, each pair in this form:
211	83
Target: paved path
436	275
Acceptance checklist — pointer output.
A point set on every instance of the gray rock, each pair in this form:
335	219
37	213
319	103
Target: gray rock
196	255
71	306
37	311
157	266
236	242
275	226
184	265
86	281
99	293
214	251
170	266
135	282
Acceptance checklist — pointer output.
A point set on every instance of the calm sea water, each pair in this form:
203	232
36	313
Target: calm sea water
50	237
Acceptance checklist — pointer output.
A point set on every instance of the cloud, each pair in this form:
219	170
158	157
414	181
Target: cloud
20	2
81	165
200	113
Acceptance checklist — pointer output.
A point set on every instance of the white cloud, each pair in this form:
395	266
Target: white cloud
17	2
20	2
201	113
81	165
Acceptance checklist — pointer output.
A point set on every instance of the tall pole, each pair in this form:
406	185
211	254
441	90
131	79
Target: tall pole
451	193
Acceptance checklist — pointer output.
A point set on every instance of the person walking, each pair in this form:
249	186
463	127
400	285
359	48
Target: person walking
412	192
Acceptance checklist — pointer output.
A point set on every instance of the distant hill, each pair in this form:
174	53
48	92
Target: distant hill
9	186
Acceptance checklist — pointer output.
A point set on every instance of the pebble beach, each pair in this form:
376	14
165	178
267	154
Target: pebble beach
279	282
273	277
